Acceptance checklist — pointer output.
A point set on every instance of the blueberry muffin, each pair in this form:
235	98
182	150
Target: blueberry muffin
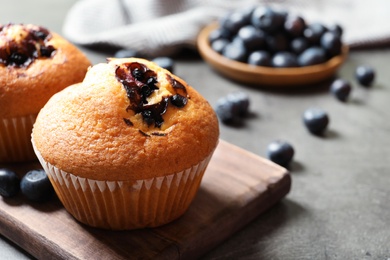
34	64
127	147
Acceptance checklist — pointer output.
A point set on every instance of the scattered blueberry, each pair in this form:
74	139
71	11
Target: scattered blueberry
240	100
341	89
316	120
280	152
226	111
165	62
9	183
36	186
232	107
365	75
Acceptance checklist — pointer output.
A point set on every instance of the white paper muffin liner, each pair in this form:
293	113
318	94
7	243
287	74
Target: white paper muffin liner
124	205
15	139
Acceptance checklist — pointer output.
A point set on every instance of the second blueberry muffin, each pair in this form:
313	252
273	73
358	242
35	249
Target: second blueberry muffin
35	63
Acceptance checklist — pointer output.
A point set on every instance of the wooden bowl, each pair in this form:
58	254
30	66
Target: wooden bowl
267	76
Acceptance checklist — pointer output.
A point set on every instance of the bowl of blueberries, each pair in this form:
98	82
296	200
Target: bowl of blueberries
266	46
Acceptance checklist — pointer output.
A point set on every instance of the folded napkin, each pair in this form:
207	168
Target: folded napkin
156	27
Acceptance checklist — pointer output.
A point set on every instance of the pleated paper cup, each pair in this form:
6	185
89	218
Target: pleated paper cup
15	139
124	205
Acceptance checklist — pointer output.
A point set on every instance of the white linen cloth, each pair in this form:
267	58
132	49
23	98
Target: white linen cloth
162	27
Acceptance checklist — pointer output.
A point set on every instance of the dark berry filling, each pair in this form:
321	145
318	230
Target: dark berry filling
140	83
21	53
178	87
178	100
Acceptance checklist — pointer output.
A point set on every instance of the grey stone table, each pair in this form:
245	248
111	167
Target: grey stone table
339	206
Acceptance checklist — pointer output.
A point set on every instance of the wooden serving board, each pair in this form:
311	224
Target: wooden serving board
236	188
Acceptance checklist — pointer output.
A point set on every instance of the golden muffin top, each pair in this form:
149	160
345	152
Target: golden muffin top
34	64
128	119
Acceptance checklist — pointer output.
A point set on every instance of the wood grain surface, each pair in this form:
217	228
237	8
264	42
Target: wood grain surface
236	188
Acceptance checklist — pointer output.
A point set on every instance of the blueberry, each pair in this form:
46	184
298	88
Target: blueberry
179	100
234	21
240	100
146	91
294	25
284	60
341	89
232	107
36	186
312	56
365	75
316	120
277	42
147	116
280	152
138	74
219	33
18	59
262	28
267	19
47	51
259	58
165	62
126	53
235	51
247	13
314	32
331	43
226	111
40	34
298	45
337	29
222	20
9	183
252	37
219	45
